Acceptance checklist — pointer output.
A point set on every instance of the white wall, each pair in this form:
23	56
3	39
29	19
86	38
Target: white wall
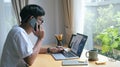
54	19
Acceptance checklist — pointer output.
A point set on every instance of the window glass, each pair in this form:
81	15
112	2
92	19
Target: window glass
7	20
103	17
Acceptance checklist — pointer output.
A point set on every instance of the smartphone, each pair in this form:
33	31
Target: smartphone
33	22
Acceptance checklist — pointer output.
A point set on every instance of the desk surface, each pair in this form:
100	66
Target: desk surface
46	60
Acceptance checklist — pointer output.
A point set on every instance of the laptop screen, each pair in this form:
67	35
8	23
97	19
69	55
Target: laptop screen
78	43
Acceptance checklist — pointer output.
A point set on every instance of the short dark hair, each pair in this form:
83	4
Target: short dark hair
31	10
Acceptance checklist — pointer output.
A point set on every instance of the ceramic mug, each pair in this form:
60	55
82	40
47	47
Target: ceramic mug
92	55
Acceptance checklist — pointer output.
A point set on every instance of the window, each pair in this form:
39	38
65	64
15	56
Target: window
100	15
7	20
7	1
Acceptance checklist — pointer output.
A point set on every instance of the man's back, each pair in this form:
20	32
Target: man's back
15	48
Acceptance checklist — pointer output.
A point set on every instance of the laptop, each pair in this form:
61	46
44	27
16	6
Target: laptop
77	43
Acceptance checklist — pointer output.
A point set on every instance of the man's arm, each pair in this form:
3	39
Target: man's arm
51	50
30	59
43	50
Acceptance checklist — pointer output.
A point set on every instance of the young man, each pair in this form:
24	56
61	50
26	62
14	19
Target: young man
18	50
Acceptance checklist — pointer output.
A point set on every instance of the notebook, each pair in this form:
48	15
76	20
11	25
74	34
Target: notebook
77	44
74	62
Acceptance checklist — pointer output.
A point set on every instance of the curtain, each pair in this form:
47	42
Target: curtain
68	13
17	6
74	20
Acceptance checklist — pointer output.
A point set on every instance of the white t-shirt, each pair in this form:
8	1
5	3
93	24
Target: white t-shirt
17	47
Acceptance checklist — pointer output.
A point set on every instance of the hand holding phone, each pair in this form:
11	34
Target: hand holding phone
40	33
38	30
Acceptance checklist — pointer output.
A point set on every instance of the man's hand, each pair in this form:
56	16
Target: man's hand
56	49
39	32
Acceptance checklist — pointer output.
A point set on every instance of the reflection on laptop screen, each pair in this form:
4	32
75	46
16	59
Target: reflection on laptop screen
78	43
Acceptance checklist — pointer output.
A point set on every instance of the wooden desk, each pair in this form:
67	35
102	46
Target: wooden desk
46	60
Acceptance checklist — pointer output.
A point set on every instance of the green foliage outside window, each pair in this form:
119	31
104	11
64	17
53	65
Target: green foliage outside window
107	28
109	38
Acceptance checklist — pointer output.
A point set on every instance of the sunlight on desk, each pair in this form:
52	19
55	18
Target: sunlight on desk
46	60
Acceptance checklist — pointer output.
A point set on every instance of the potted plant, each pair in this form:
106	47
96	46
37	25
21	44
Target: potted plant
109	39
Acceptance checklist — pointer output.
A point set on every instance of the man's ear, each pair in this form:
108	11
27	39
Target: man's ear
31	17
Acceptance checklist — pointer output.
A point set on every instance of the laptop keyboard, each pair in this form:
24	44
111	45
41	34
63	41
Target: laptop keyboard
68	54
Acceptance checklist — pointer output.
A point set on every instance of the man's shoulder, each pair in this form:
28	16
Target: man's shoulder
16	30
